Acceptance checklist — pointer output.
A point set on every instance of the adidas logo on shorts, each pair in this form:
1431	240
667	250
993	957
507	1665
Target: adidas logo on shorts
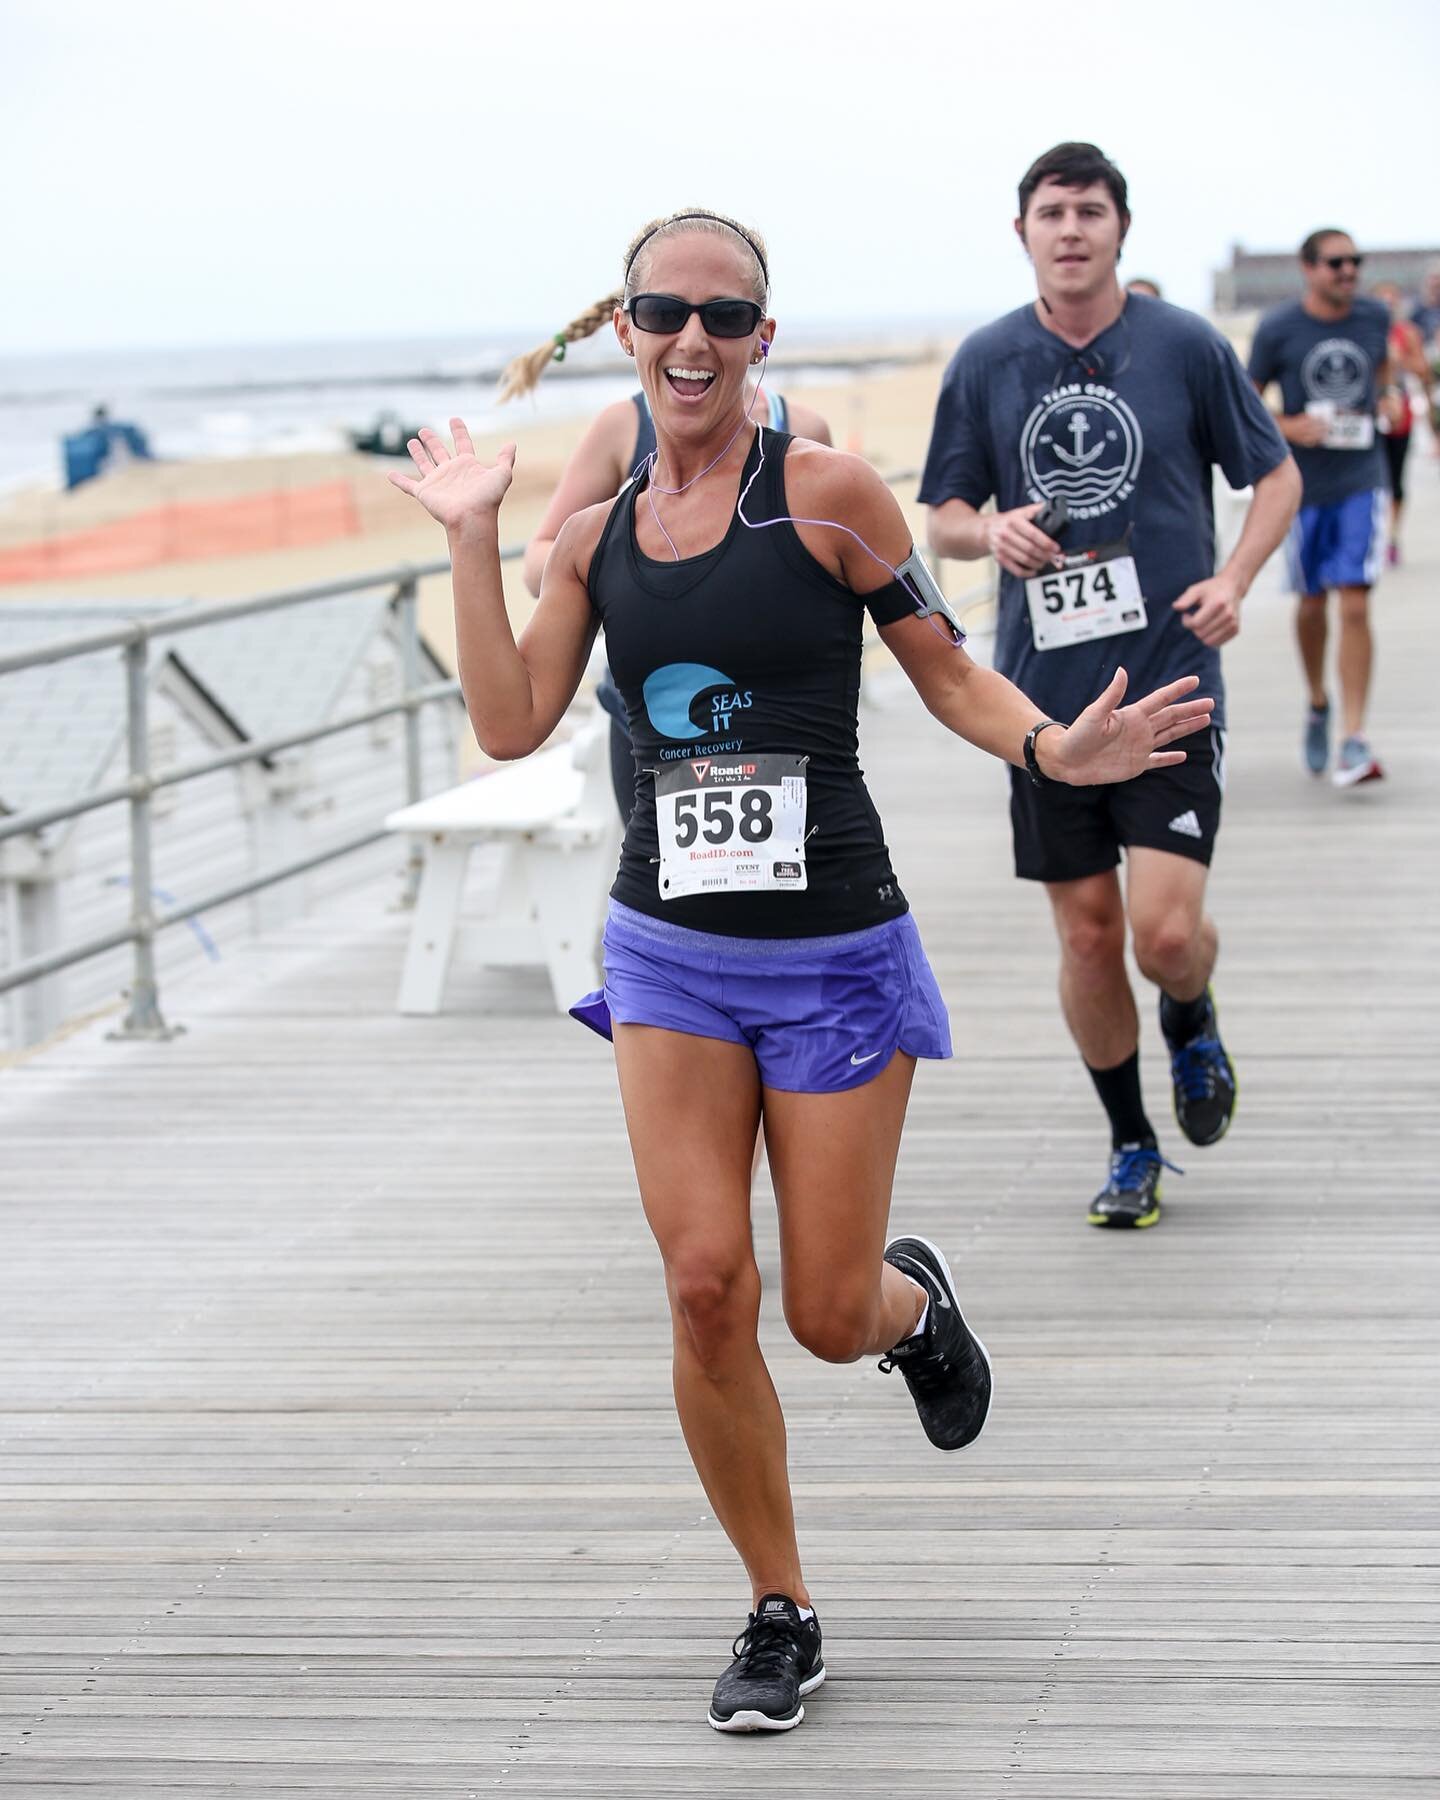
1187	825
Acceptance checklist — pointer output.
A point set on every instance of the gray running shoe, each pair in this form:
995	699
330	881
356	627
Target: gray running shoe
1356	763
1317	739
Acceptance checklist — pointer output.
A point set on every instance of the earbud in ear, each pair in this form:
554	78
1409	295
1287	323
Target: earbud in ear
764	347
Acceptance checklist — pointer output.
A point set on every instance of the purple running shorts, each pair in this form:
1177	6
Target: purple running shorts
821	1014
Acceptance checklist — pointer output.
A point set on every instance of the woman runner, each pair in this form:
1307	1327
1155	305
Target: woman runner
1407	358
620	439
760	957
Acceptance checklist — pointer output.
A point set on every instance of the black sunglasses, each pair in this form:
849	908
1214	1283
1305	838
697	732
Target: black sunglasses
1342	262
668	314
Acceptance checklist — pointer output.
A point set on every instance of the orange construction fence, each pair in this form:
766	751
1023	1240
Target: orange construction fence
187	530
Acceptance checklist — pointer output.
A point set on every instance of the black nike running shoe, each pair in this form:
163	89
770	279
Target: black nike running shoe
945	1366
1131	1194
1204	1078
777	1661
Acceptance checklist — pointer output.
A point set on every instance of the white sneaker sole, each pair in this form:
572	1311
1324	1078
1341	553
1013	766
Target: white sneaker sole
758	1721
1348	778
940	1257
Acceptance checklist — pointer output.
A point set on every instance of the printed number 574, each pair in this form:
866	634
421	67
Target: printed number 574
1052	588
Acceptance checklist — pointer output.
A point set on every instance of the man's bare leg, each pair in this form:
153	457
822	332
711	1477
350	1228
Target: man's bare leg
1356	657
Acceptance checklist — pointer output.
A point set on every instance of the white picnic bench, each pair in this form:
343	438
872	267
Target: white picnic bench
554	819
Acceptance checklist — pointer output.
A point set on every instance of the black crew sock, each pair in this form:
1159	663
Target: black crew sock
1119	1091
1182	1020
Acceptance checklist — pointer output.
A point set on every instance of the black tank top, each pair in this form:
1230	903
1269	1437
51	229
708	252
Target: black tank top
750	648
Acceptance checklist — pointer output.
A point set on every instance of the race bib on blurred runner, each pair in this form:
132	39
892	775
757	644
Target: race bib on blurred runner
1343	430
1095	595
731	825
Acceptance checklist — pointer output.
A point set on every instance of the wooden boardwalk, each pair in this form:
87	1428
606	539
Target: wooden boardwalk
338	1452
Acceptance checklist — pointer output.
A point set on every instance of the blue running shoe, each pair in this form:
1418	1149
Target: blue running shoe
1131	1194
1356	763
1317	739
1203	1077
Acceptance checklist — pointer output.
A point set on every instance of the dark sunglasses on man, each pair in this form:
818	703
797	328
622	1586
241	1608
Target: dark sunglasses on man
1343	262
667	314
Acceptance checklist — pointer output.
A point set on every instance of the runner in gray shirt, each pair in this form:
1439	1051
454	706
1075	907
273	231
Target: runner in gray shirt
1119	405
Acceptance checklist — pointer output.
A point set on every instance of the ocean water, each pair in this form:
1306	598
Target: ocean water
241	400
246	400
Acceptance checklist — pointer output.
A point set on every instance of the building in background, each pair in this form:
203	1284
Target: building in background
1258	280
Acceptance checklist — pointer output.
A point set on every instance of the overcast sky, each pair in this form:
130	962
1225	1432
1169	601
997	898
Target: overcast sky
303	169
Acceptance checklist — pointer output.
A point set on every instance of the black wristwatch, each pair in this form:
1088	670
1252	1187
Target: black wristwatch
1032	765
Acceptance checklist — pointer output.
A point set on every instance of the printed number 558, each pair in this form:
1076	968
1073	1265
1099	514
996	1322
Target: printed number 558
717	824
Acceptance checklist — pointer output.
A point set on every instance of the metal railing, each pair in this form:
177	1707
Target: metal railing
143	1017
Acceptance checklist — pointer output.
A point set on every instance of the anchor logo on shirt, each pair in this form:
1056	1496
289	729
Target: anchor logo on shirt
1079	456
1097	469
1336	370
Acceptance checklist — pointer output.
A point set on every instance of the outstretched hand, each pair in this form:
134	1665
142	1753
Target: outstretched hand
456	490
1110	742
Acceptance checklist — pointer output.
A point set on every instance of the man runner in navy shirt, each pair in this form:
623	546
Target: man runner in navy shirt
1329	352
1118	406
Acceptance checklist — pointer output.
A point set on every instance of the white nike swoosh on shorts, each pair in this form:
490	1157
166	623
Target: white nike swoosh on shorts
855	1061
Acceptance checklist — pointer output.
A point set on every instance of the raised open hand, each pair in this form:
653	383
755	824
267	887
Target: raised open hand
457	490
1110	742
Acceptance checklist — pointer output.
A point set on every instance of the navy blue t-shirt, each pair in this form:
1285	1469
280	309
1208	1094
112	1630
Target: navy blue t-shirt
1334	363
1426	320
1127	430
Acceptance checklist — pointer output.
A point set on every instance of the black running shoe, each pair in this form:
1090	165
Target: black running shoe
945	1366
777	1660
1131	1194
1204	1078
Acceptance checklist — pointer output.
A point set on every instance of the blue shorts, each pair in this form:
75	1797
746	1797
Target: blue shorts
821	1014
1339	544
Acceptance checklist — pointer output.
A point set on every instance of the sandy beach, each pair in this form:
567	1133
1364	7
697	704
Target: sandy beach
885	414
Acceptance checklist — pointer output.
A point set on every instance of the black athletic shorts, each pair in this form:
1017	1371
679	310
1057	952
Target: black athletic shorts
1396	450
1065	833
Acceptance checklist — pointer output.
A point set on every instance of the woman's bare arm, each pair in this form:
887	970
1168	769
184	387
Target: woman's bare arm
805	422
598	468
515	694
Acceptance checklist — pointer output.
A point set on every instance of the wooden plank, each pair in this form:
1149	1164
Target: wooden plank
337	1454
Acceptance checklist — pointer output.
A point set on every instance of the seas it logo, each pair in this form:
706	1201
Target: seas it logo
1337	371
1082	443
690	700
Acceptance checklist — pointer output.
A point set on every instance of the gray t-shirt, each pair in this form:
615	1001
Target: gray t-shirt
1330	365
1127	429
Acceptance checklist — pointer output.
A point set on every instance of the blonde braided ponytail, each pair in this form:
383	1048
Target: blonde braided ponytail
522	375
